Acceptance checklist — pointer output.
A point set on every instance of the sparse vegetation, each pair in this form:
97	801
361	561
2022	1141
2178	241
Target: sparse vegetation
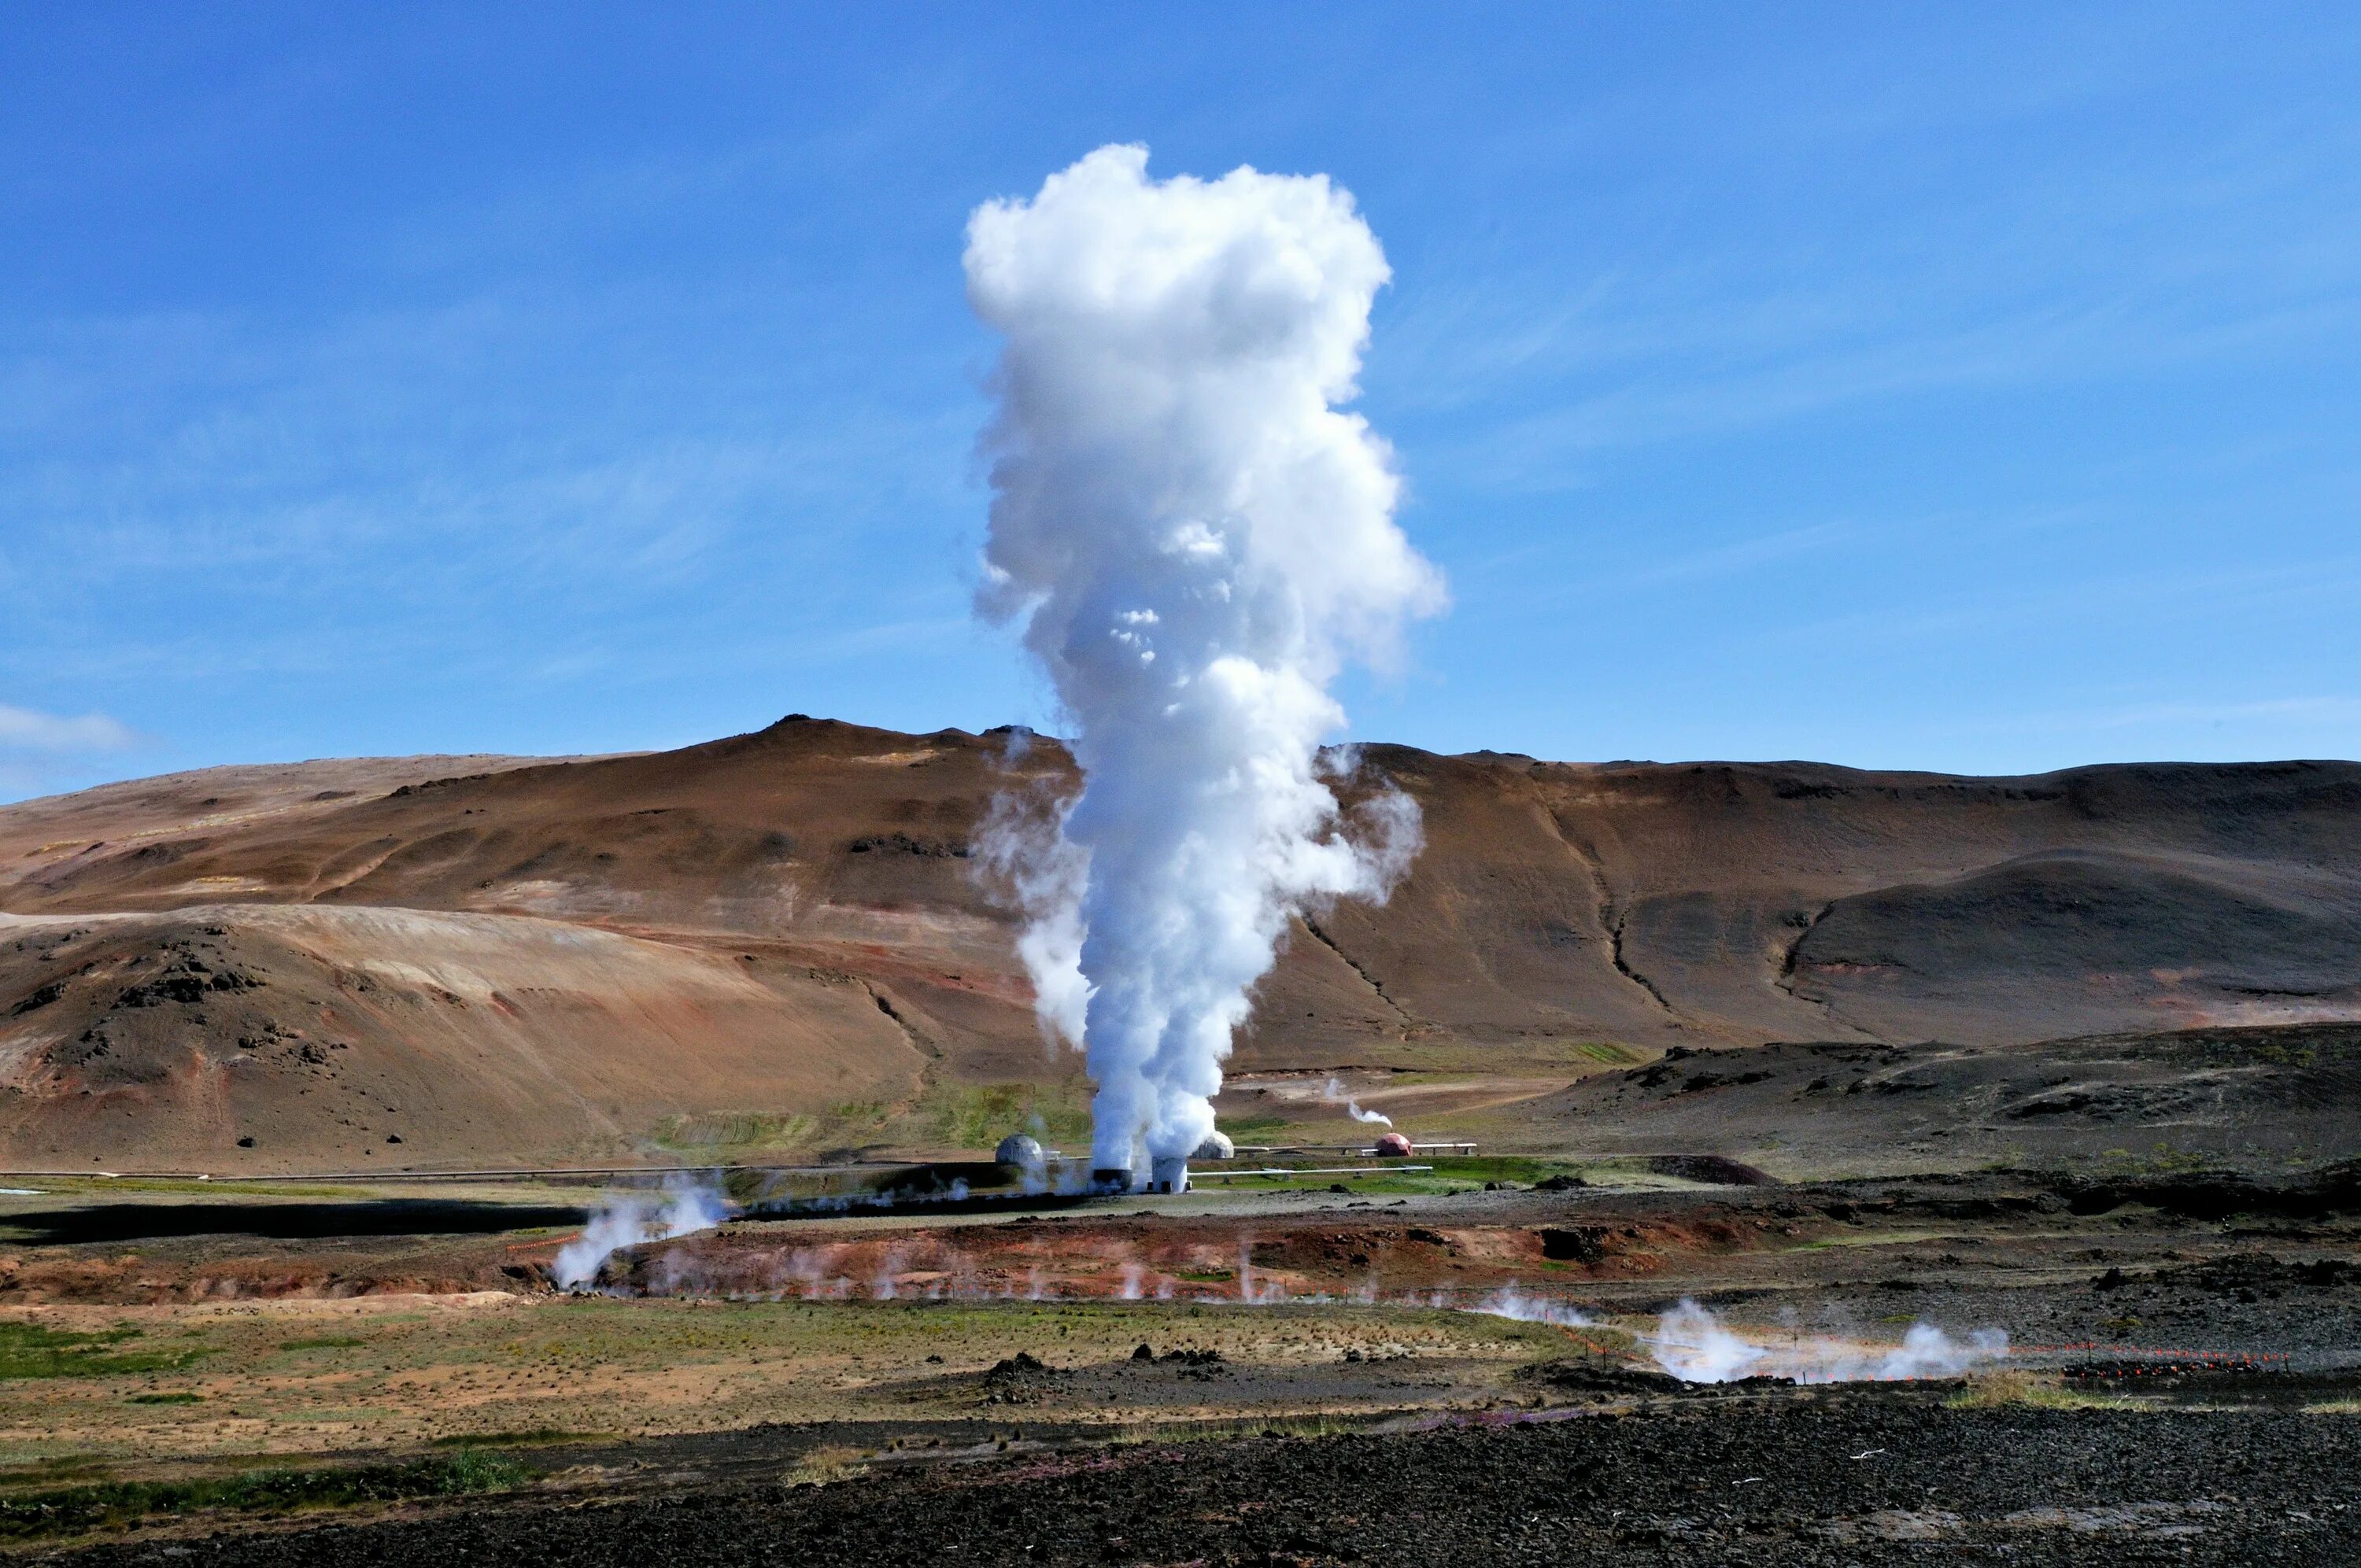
2161	1159
2011	1386
29	1349
539	1437
962	1116
944	1115
77	1509
737	1134
856	1115
826	1463
1607	1052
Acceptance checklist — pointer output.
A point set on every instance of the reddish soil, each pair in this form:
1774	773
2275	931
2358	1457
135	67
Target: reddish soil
564	960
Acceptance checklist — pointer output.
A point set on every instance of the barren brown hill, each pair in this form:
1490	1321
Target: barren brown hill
777	941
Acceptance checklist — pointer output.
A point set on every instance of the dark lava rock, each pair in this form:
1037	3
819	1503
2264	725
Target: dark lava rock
1603	1378
1020	1379
1775	1480
903	844
1709	1168
1578	1244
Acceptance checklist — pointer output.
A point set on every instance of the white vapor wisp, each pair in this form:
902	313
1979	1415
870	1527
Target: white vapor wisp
1335	1095
1194	539
1692	1344
628	1219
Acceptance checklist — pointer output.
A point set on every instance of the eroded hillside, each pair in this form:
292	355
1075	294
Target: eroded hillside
781	938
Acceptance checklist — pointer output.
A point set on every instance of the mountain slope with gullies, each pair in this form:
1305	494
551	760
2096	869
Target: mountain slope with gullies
779	940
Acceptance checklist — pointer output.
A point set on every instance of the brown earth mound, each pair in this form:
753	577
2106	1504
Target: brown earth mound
778	940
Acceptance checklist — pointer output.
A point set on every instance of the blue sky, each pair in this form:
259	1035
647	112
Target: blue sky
1970	387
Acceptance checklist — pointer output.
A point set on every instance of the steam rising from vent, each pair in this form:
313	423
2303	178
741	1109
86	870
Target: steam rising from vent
1509	1301
1692	1344
1193	540
1335	1095
628	1219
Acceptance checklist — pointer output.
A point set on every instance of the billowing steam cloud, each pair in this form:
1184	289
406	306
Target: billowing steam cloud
1194	539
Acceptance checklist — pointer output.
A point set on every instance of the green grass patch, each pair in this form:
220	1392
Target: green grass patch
969	1117
1247	1126
53	1467
28	1350
736	1133
335	1342
74	1511
1606	1052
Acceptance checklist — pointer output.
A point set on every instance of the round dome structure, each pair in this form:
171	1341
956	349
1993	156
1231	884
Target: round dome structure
1217	1145
1392	1145
1020	1149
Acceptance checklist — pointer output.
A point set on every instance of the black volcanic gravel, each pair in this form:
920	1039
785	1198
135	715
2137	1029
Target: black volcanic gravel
1862	1476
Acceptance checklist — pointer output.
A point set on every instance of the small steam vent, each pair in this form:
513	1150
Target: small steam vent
1020	1149
1391	1145
1217	1145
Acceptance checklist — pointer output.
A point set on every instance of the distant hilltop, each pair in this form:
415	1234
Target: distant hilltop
495	957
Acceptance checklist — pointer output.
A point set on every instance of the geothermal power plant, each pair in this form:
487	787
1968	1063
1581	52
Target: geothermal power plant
1157	1115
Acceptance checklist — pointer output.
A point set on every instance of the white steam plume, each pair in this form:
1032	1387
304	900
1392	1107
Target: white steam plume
1021	846
1194	539
1335	1095
1692	1344
627	1219
1511	1301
